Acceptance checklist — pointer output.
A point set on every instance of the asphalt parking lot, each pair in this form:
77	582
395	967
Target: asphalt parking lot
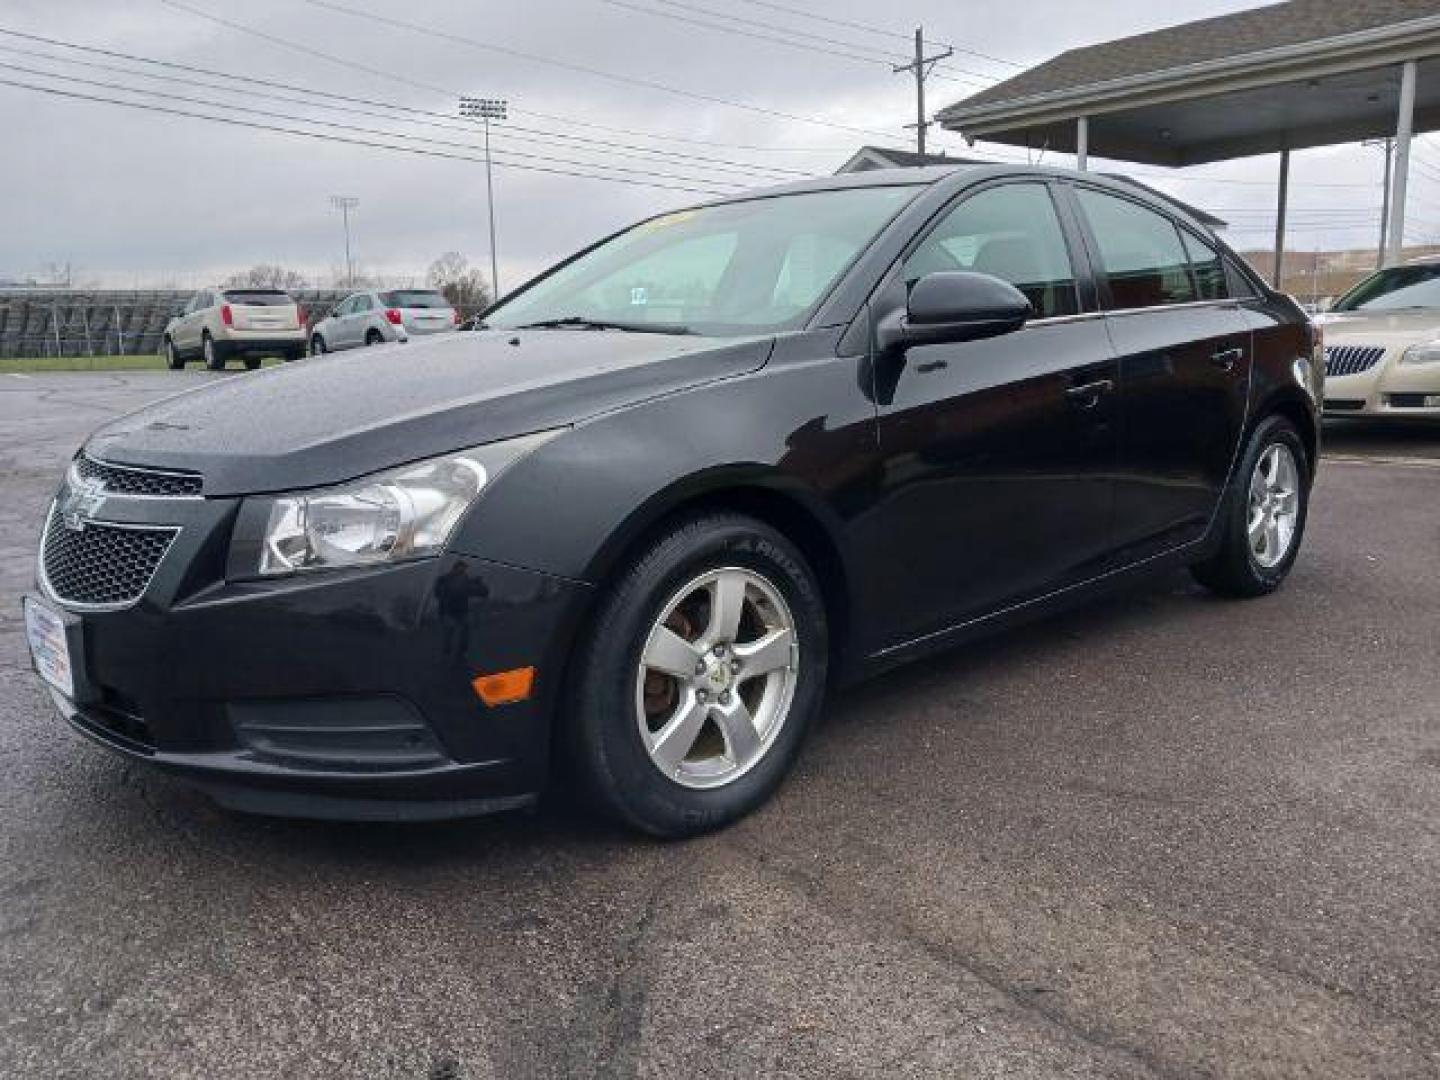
1164	835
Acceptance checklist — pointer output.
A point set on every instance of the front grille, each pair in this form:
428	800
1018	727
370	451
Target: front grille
101	565
1351	359
125	480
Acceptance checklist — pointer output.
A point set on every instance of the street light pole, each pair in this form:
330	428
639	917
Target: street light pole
346	203
487	109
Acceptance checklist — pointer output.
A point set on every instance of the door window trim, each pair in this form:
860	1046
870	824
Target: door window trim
1102	282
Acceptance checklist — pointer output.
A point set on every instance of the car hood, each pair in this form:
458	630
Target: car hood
1386	327
331	419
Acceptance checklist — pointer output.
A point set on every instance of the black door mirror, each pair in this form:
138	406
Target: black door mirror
955	306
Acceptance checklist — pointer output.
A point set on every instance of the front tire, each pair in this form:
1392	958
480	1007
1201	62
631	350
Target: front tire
173	359
374	337
318	346
1262	519
252	362
701	676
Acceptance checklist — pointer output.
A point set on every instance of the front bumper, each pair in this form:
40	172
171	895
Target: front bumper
339	695
1391	390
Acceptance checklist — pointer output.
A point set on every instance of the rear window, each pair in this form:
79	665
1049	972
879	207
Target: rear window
258	297
414	298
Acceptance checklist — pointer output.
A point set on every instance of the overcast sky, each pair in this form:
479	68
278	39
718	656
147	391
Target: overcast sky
141	198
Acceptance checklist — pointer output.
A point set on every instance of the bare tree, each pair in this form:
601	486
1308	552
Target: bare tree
463	285
266	276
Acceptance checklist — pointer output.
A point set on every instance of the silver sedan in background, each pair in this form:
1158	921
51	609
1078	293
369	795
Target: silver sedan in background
377	316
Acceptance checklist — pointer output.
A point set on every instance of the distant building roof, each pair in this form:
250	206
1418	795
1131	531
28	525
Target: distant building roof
869	158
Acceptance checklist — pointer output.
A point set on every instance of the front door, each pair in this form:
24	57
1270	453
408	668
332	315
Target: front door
1184	349
997	455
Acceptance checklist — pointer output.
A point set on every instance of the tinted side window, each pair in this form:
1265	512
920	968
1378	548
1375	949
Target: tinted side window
1140	252
1209	271
1010	232
363	303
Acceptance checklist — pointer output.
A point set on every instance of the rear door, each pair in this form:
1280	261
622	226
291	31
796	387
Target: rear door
260	310
1184	351
998	455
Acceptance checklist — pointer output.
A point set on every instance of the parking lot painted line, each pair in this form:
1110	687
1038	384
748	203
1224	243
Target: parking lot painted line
1403	462
19	375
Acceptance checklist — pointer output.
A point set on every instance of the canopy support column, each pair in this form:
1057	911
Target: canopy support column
1082	144
1280	213
1404	132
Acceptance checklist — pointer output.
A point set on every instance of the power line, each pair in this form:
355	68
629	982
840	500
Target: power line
871	29
357	129
323	137
567	65
526	134
787	35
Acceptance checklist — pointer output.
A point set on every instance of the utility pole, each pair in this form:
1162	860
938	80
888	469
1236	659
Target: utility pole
1388	146
921	67
346	203
487	109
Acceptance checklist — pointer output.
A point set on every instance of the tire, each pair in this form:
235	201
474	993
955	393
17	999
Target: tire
318	346
214	359
749	730
173	360
252	362
1250	564
293	355
374	337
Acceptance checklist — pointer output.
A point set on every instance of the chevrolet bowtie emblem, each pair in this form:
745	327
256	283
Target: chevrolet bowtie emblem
79	502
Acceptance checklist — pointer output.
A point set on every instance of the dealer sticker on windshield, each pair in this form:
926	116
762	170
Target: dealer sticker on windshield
49	646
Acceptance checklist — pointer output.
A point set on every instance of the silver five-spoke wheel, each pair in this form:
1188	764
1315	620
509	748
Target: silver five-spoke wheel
716	677
1274	506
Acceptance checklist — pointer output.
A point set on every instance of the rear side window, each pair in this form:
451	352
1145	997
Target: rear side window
1140	252
1209	270
1010	232
413	298
258	297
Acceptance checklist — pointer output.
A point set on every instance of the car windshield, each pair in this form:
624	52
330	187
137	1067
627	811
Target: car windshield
737	268
414	298
1395	289
258	297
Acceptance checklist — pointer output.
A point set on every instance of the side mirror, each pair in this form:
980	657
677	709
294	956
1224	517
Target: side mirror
955	306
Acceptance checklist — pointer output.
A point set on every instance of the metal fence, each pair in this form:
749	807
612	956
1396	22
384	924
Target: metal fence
46	322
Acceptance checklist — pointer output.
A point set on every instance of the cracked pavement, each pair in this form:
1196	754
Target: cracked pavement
1164	835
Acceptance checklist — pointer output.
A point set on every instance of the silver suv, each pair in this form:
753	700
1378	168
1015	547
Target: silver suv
249	323
373	318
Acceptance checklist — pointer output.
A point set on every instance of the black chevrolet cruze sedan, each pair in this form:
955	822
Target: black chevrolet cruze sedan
626	536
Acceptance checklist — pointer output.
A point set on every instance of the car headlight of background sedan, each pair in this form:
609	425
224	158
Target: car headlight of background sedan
1428	353
404	513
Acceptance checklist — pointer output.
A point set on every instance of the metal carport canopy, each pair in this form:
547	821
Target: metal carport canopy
1270	80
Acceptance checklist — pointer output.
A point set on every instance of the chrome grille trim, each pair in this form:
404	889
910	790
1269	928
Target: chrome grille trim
135	482
138	582
1342	360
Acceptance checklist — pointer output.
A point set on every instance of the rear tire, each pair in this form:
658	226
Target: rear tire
374	337
252	362
707	736
173	360
293	355
214	360
1263	515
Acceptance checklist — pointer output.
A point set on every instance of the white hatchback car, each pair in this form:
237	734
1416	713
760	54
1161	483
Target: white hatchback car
373	318
249	323
1382	345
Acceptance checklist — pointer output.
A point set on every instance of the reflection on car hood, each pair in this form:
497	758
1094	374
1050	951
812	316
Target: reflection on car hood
1381	326
330	419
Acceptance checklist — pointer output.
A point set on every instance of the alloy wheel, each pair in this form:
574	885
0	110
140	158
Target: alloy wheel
716	677
1274	506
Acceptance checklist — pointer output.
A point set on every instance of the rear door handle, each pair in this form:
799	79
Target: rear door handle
1228	358
1088	395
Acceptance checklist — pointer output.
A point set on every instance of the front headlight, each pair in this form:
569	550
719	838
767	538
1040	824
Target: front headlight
1428	353
404	513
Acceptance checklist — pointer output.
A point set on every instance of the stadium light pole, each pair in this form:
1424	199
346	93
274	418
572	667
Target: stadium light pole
346	203
487	109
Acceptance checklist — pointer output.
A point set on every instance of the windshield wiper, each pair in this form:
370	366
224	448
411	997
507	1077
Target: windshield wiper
580	322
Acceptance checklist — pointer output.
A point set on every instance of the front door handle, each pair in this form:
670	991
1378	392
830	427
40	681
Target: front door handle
1226	359
1088	395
